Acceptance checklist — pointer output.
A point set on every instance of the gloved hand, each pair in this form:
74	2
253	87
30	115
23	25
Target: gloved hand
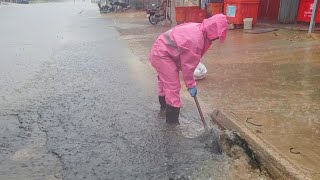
192	91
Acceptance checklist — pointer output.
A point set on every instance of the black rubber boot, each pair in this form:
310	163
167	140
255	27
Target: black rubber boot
162	101
172	115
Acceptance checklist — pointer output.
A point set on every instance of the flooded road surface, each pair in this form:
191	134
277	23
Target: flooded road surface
77	104
267	82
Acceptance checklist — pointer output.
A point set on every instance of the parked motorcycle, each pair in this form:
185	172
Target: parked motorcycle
106	8
156	15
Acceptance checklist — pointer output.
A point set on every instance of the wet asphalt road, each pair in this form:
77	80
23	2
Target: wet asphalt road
76	104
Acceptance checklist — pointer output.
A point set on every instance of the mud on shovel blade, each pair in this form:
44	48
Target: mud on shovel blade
200	112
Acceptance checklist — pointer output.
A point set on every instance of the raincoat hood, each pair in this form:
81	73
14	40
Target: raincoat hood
216	27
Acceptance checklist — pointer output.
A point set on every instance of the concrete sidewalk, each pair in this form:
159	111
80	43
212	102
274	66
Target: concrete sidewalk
265	86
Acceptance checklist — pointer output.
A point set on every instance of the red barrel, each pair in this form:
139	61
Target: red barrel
180	14
237	10
195	14
214	8
305	11
190	14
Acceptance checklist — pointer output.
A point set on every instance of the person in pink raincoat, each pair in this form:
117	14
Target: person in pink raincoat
180	49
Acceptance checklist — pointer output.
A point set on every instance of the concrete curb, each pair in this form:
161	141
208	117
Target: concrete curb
278	166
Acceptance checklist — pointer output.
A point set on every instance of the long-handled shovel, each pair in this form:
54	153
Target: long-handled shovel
200	112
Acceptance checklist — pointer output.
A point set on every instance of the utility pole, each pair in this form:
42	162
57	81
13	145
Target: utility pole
314	16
